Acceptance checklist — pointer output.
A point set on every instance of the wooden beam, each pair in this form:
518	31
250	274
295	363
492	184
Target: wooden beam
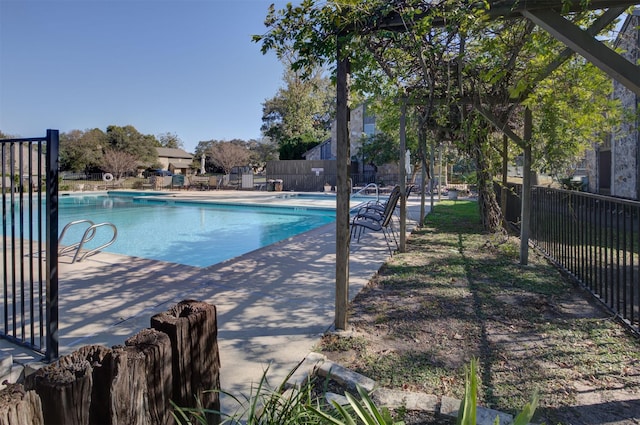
403	176
513	8
504	127
586	45
525	209
342	190
598	25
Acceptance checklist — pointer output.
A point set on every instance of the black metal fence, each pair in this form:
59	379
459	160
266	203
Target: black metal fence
594	238
30	240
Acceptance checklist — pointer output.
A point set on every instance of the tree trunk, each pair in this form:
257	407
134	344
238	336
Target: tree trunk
487	202
422	149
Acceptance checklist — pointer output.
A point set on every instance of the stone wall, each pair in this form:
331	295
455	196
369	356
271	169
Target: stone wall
624	141
624	144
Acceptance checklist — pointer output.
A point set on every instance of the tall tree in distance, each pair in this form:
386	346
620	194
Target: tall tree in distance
227	155
82	151
299	116
170	140
130	140
118	163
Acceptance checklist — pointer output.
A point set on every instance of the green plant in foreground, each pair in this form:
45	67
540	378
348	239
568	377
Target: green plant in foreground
364	409
467	411
263	406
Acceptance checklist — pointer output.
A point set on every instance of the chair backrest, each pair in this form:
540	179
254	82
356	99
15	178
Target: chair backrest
390	206
409	189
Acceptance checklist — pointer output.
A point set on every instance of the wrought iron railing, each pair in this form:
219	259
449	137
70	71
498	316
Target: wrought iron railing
596	240
29	186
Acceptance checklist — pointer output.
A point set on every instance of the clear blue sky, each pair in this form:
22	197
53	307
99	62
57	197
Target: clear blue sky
187	67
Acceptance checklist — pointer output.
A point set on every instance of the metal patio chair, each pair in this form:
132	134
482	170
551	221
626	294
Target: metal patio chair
370	218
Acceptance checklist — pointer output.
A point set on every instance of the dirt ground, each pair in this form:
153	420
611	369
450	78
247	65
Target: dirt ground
457	294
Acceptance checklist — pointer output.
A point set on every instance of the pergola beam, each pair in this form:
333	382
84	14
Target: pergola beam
586	45
514	8
502	126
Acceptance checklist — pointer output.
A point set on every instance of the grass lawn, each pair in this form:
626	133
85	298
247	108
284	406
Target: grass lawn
459	293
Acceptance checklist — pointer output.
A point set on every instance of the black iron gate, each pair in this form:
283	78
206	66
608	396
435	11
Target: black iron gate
29	169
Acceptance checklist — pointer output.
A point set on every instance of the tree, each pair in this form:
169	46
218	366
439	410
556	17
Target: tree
300	115
6	136
170	140
118	162
378	149
262	151
227	155
81	151
128	139
460	68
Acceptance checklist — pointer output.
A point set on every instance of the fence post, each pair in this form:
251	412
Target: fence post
141	387
52	160
65	392
525	211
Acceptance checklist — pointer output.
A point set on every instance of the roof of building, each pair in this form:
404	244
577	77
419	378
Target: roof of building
173	153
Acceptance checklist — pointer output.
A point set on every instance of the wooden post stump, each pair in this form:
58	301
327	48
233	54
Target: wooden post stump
141	386
18	407
192	327
98	357
75	389
65	392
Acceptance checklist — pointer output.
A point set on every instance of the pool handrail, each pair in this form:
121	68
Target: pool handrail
74	245
367	187
94	250
87	236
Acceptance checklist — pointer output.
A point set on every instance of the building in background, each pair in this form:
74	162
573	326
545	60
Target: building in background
613	168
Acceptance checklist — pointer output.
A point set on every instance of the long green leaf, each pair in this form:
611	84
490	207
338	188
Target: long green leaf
325	416
371	406
468	405
347	417
527	412
360	410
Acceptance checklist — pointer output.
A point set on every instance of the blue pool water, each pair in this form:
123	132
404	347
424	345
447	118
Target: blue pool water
190	233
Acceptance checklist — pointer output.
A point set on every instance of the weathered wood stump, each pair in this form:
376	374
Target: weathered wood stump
98	357
141	385
97	399
65	392
18	407
130	384
192	327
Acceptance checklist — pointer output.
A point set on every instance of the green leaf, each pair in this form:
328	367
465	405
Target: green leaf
527	412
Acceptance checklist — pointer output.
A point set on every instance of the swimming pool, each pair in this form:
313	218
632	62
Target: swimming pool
186	232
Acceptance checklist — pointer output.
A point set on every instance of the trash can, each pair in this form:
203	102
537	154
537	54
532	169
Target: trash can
453	194
177	180
271	185
278	186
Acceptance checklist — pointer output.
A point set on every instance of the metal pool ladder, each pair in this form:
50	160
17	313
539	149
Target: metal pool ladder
367	187
88	235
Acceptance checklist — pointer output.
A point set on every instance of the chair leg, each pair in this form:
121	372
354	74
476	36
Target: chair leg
356	232
386	239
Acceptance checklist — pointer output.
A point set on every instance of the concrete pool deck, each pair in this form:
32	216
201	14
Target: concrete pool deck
273	304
